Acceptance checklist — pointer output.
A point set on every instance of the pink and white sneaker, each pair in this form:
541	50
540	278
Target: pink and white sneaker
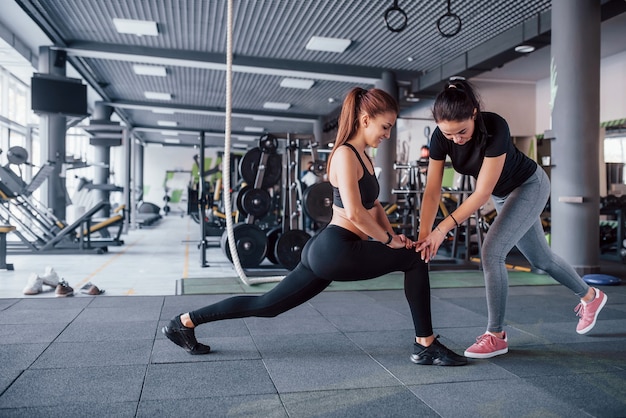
487	346
588	312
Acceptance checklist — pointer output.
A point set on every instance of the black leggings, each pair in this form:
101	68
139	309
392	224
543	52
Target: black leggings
333	254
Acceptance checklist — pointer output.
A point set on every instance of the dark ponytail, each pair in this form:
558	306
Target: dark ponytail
457	102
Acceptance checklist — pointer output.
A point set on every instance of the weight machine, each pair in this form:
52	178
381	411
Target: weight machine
36	226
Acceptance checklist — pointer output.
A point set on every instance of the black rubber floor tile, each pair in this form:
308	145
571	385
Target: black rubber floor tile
119	314
549	360
88	354
19	356
319	373
83	331
493	398
77	385
305	345
222	349
597	394
73	409
266	406
206	379
35	315
282	325
357	403
31	333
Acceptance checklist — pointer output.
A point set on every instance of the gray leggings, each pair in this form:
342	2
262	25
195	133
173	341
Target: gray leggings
518	223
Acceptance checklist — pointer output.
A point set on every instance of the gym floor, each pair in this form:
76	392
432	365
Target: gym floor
344	353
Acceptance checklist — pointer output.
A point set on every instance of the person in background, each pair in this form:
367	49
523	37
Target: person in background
479	144
358	244
308	179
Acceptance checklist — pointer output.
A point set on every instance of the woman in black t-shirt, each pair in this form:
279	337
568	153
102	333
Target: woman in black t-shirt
479	144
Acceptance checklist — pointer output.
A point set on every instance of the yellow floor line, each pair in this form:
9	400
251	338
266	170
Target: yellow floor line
186	259
109	261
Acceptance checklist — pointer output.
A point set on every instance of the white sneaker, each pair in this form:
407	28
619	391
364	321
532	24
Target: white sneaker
50	277
34	285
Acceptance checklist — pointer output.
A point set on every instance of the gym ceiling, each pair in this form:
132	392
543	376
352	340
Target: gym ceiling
270	37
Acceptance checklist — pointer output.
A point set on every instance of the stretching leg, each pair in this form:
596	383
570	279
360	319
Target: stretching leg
297	287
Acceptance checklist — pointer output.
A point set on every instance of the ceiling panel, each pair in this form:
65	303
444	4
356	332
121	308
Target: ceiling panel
269	38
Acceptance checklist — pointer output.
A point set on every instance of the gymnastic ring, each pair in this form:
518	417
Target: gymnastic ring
458	24
403	15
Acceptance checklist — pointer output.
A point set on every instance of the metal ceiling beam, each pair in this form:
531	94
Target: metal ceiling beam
490	54
237	113
241	64
498	50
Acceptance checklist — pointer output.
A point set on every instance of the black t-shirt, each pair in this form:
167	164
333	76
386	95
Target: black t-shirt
468	158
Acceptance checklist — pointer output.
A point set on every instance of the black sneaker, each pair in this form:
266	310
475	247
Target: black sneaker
437	354
185	337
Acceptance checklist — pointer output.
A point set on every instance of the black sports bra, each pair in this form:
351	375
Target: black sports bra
368	186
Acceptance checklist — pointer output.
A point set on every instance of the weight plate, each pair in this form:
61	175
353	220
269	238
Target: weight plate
251	244
272	237
289	248
239	199
268	143
318	202
256	202
319	168
249	168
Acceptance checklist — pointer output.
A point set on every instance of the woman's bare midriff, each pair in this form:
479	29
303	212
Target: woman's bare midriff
340	219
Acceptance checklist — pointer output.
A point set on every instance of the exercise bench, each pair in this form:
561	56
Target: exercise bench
4	230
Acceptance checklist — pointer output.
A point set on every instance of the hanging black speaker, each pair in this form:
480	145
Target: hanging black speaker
60	58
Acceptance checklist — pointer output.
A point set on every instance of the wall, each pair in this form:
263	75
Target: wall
612	93
515	102
157	161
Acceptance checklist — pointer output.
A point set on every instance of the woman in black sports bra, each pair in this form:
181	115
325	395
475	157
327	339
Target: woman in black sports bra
358	243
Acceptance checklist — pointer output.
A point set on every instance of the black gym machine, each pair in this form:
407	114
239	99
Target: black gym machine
270	203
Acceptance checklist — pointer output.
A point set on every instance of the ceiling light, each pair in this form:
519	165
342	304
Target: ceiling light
154	144
136	27
276	105
170	133
320	43
524	49
409	59
297	83
171	141
167	123
263	118
164	111
247	138
253	129
157	96
154	70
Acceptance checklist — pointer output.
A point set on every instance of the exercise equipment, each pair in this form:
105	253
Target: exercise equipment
290	242
255	202
602	280
409	197
288	247
257	161
318	202
251	244
38	228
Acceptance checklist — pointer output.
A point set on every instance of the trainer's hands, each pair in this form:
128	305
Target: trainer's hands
428	246
401	241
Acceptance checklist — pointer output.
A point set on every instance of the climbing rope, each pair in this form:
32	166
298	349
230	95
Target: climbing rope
226	162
